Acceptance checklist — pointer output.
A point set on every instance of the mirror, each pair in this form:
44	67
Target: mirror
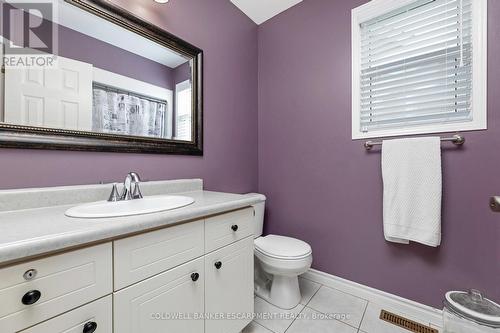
85	75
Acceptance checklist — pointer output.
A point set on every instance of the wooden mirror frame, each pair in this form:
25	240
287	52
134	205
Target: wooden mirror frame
30	137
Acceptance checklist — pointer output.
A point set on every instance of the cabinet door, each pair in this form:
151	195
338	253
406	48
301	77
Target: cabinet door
229	287
168	302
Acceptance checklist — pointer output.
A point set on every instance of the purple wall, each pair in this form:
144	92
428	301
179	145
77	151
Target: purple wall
324	188
229	41
181	73
321	186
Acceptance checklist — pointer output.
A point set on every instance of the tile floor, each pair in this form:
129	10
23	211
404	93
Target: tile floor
322	310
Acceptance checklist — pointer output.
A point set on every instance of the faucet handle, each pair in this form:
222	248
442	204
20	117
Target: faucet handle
114	196
137	192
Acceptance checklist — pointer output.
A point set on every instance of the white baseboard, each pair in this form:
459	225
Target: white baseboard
406	306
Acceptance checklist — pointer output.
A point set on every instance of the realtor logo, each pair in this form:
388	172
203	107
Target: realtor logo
29	36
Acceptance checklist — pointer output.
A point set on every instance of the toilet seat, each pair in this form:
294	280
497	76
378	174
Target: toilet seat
281	247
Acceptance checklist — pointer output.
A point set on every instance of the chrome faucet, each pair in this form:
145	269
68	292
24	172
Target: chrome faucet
131	189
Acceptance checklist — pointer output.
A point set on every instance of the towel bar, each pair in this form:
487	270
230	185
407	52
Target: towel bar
457	139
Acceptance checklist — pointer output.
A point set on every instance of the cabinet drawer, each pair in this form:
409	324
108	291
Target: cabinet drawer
150	306
99	312
220	229
62	282
140	257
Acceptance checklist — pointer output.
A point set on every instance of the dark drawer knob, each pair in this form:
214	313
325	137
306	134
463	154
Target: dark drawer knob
90	327
218	264
31	297
195	276
234	227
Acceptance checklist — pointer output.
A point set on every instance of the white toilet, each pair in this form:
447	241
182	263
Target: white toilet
279	261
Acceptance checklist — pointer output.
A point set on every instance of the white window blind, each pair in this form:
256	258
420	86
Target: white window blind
416	66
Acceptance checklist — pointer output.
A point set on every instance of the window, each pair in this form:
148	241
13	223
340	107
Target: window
183	103
418	67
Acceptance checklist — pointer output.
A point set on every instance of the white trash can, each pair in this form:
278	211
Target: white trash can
470	312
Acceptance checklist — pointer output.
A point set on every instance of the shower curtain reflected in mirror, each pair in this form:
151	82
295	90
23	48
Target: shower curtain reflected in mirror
125	113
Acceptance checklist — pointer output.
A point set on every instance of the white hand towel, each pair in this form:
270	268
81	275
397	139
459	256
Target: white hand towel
411	170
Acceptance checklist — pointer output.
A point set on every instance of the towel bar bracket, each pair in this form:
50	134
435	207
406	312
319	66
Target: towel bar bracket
495	204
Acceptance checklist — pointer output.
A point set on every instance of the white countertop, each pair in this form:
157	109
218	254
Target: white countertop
36	231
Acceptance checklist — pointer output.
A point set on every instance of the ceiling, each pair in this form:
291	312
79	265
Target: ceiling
262	10
92	25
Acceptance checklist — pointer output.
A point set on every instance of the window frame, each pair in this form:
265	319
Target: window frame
377	8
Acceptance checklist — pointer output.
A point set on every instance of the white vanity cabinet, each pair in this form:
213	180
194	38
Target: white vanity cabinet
187	298
194	277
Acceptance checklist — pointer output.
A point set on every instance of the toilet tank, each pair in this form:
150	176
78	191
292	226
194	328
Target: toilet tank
259	214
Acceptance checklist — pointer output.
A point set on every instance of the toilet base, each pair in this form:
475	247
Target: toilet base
282	291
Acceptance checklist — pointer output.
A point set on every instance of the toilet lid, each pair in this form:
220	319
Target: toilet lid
282	247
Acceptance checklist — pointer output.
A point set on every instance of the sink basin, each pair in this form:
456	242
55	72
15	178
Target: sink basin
151	204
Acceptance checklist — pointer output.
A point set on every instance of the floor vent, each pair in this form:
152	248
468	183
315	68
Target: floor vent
405	323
